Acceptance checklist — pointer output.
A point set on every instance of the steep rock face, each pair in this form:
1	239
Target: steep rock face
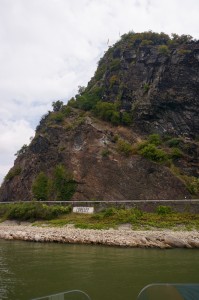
98	176
159	88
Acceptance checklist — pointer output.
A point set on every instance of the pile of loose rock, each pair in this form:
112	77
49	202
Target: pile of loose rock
124	237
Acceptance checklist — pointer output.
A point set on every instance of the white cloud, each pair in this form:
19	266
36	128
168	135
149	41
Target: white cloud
13	136
49	47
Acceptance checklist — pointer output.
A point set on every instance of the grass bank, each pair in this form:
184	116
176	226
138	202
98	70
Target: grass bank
55	215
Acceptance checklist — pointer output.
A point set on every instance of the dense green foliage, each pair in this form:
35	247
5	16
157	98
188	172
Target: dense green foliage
154	148
151	152
176	153
64	184
155	139
154	38
163	49
60	186
31	211
40	187
58	117
87	99
163	210
149	149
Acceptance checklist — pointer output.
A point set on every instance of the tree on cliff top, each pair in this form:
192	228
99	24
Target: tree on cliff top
57	105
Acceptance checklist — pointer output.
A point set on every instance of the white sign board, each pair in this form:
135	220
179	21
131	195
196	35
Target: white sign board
83	210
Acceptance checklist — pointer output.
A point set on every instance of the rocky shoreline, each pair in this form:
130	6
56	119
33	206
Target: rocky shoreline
123	237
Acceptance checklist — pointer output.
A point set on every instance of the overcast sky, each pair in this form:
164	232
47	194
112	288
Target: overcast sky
50	47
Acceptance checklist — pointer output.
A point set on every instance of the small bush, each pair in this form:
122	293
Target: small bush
192	183
146	43
174	142
146	87
115	138
72	103
115	118
126	118
115	64
4	209
58	117
124	147
151	152
184	51
87	99
105	153
154	139
111	211
136	212
66	110
142	145
163	210
176	153
113	80
105	110
163	49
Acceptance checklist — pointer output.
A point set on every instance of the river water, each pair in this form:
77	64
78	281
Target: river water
29	270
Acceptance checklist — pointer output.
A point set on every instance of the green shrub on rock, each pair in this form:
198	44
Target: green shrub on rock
31	211
176	153
173	142
40	187
64	184
124	147
151	152
163	210
154	139
163	49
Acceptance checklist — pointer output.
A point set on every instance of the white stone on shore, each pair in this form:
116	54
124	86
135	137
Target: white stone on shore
122	237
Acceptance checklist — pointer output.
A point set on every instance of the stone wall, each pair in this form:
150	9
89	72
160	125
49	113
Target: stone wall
189	205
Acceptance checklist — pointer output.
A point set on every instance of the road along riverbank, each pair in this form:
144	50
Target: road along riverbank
124	236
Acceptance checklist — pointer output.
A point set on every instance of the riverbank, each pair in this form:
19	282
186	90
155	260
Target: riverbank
123	237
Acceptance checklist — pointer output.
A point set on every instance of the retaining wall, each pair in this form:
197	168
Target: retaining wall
188	205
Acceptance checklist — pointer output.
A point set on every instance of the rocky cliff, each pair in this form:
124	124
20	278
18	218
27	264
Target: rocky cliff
132	133
156	79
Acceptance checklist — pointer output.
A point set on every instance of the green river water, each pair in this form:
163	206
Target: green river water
29	270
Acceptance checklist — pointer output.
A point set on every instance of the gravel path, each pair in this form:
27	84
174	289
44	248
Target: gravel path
124	236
